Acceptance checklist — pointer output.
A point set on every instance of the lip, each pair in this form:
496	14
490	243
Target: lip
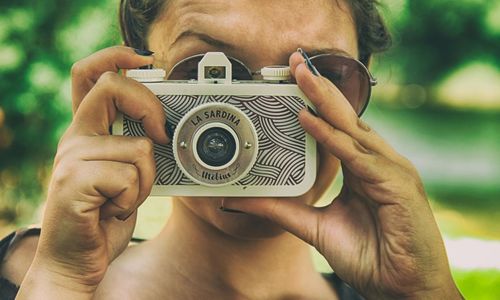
232	211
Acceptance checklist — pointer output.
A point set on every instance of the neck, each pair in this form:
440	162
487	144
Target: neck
218	262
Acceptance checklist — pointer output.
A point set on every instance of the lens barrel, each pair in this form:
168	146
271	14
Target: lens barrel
215	144
216	147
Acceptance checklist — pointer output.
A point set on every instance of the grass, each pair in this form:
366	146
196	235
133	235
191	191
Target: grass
473	284
478	284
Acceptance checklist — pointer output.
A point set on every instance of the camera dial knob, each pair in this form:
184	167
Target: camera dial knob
276	73
147	75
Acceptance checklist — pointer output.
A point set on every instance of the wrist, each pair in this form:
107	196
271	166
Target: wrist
447	291
48	283
437	288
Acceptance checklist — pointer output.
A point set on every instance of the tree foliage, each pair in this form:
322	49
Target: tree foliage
40	40
435	37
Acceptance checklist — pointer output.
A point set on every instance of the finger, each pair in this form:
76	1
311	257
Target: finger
138	151
108	186
120	187
86	72
325	97
296	218
121	230
377	175
329	101
359	160
113	93
295	59
334	108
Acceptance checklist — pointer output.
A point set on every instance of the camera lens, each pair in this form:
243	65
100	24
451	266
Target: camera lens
215	144
216	147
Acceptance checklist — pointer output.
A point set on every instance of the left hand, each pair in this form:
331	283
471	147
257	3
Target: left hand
379	234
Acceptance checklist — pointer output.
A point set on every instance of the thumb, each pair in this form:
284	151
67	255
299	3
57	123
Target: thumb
297	218
118	234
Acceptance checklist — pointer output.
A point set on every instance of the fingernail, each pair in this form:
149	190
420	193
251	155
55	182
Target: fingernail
232	211
363	125
146	67
144	52
169	129
308	62
123	219
312	111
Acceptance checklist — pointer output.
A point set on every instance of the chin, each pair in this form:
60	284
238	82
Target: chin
243	226
236	225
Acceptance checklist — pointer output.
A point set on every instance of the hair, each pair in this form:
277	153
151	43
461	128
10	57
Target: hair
137	16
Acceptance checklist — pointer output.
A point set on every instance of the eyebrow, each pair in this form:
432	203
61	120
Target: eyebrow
227	46
204	38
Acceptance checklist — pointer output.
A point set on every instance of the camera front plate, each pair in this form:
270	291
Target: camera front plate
286	158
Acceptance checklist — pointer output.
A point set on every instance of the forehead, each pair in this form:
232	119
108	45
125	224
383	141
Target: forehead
257	31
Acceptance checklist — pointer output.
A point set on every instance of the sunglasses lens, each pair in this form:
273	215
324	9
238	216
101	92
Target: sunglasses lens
187	69
240	71
349	76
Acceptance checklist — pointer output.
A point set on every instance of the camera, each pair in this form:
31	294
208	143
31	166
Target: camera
231	138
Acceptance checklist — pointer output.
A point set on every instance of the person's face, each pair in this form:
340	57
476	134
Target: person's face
259	33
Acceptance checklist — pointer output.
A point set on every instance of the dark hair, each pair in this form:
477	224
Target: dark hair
136	17
373	35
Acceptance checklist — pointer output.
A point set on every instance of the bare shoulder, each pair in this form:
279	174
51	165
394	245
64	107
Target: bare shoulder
127	276
18	259
133	276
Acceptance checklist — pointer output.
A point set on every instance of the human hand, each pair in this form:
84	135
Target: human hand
98	180
379	234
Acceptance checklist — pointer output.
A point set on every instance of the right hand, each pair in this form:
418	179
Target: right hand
99	180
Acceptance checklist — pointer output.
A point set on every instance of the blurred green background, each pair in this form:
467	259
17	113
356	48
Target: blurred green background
438	103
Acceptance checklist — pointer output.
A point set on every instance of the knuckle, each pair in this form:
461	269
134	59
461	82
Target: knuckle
407	165
107	78
144	147
355	161
410	166
327	137
130	175
156	105
79	69
64	174
322	106
61	153
418	185
66	148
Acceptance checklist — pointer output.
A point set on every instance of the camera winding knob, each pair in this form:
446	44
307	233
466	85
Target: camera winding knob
276	73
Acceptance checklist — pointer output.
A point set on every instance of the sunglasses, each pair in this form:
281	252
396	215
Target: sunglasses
349	75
